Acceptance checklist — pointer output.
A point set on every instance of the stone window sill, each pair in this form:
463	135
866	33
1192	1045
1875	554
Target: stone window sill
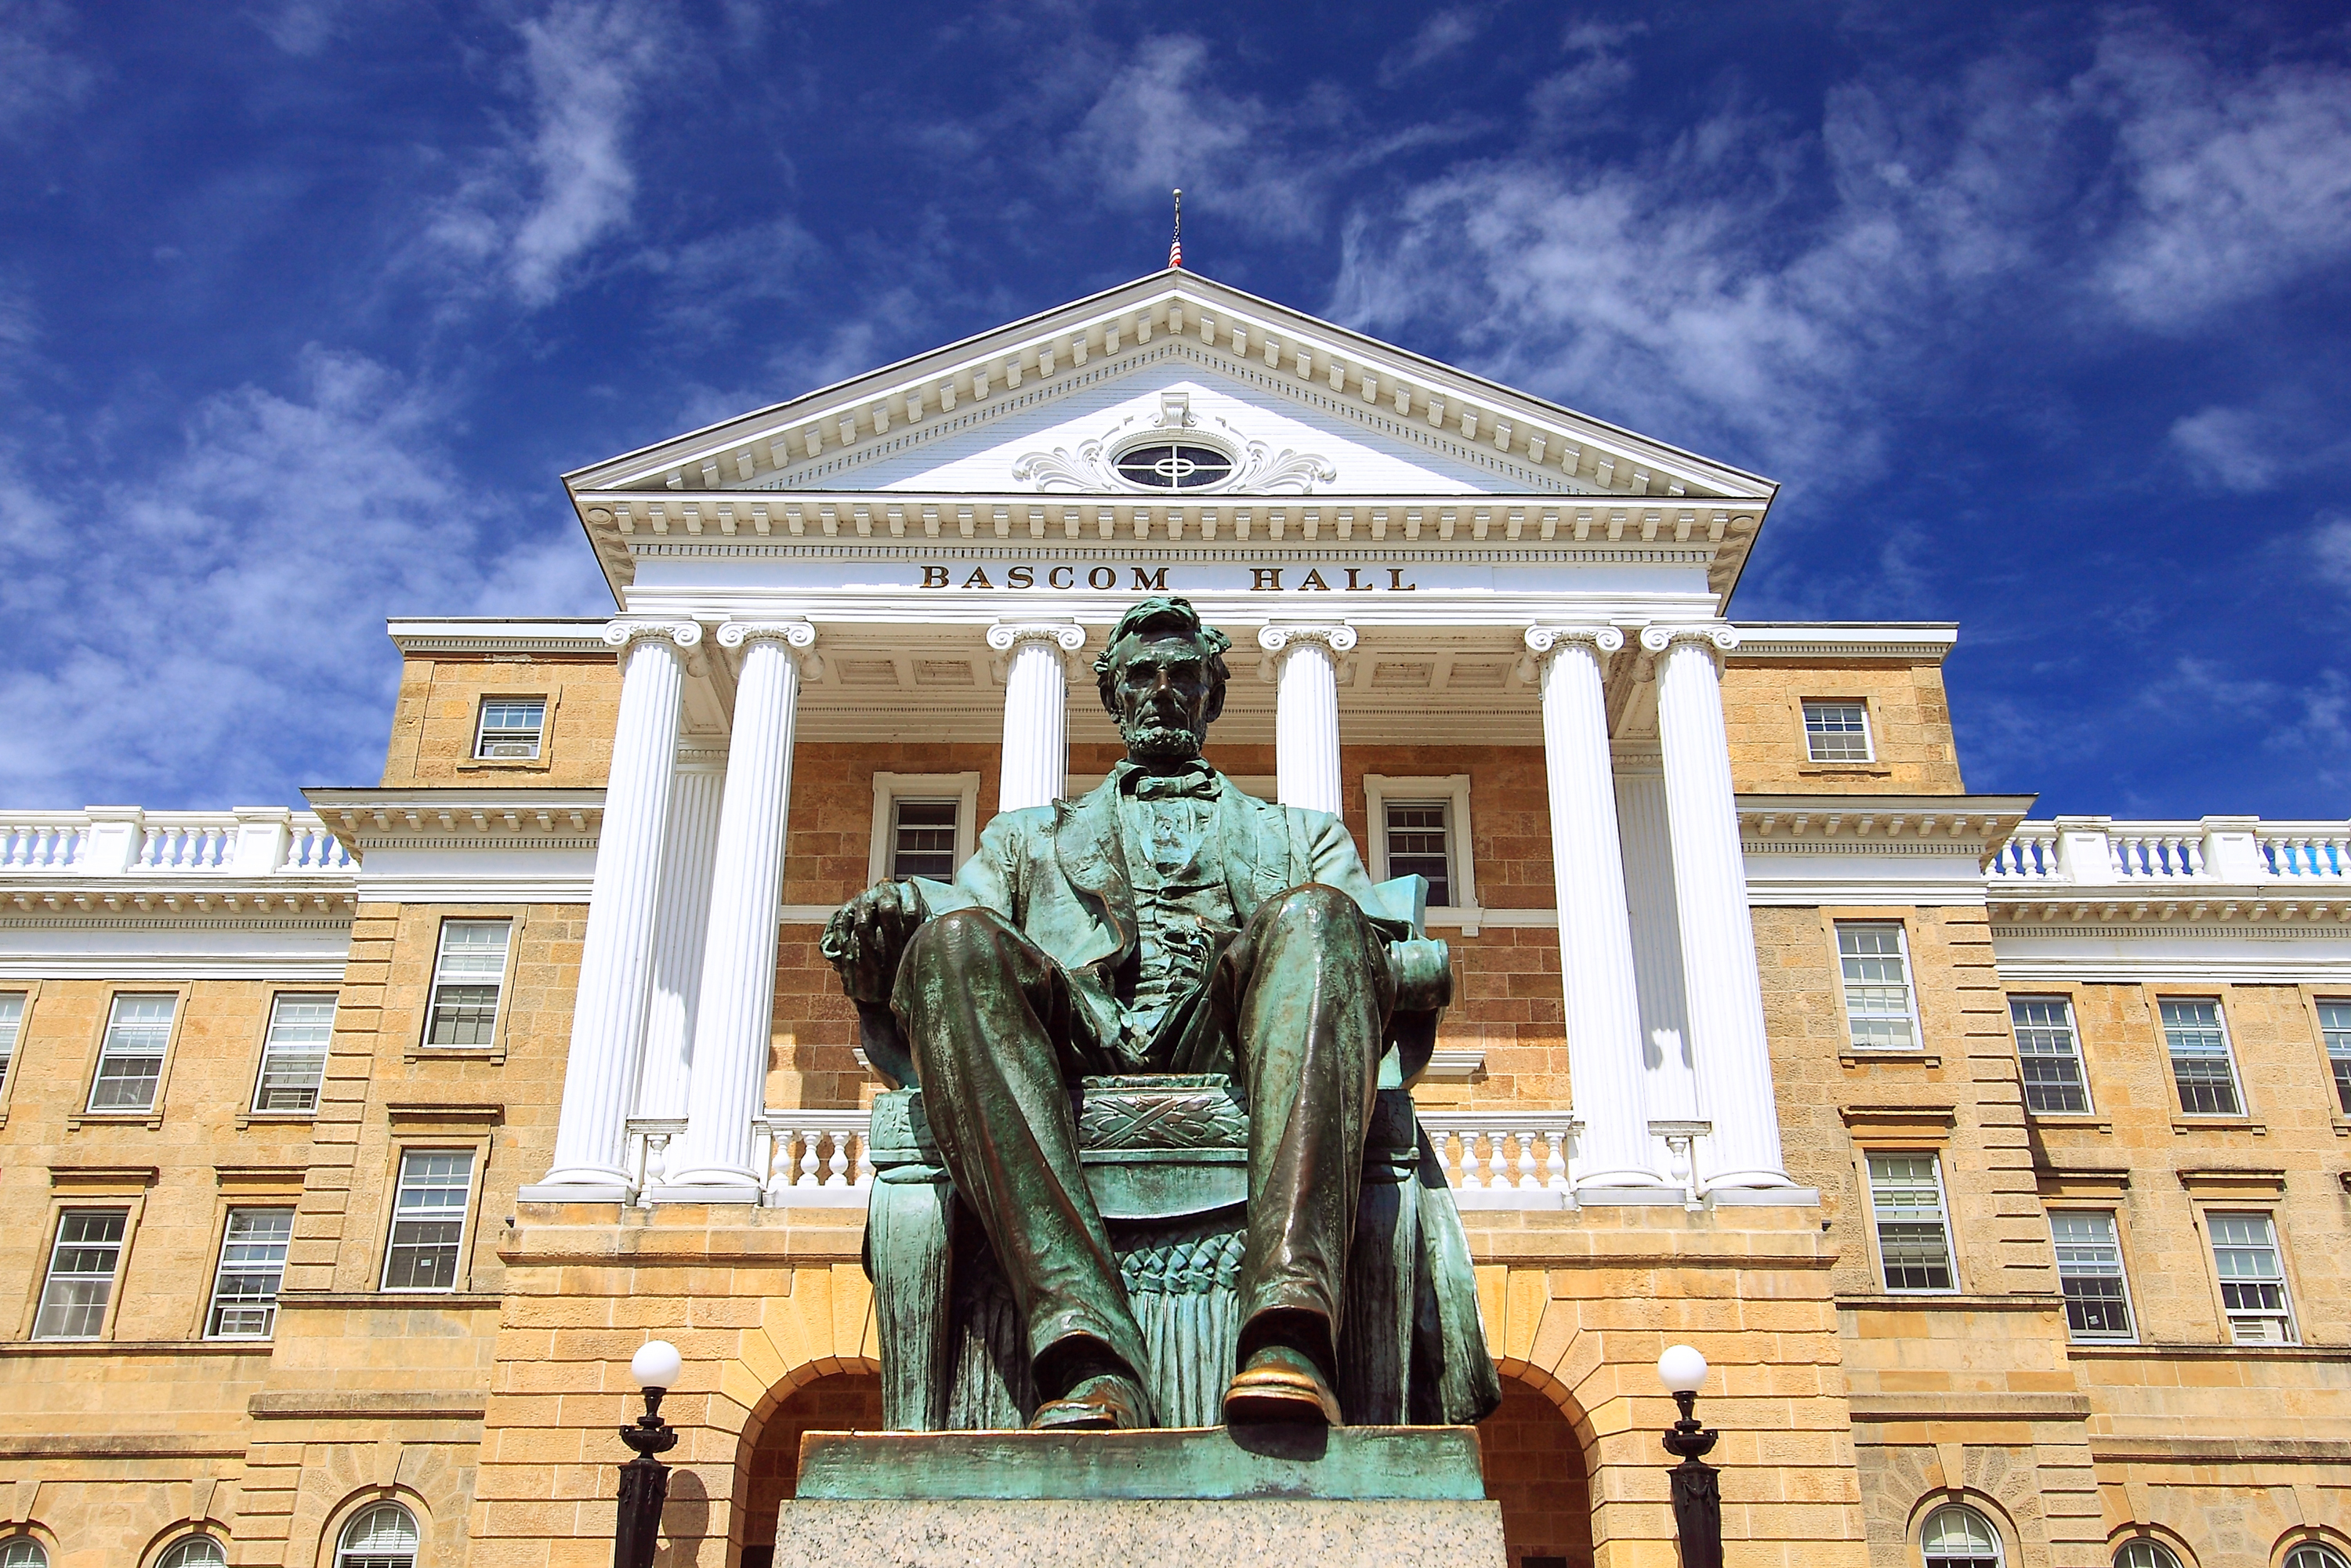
2062	1120
151	1120
496	765
495	1054
2219	1124
1890	1057
1844	771
2211	1352
1939	1301
139	1347
274	1118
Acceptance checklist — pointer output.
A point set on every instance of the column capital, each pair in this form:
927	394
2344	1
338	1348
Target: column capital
1657	639
1277	638
1007	635
1542	641
798	636
622	631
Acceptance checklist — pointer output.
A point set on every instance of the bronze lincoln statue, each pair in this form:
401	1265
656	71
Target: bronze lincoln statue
1166	923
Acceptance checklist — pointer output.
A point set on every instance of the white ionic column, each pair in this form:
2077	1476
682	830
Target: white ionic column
1657	944
1595	938
1036	760
1306	712
733	1020
681	920
608	1017
1724	994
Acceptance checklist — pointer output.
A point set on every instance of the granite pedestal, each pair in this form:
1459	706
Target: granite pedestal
1267	1497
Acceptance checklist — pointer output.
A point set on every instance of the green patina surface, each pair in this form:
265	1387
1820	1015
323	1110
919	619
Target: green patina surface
1426	1464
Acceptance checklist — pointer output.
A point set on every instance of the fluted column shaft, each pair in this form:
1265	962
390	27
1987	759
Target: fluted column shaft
1724	995
1035	767
1306	712
1595	938
1657	944
681	921
608	1018
734	1014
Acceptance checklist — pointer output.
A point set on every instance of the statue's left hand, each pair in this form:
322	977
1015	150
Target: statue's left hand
867	936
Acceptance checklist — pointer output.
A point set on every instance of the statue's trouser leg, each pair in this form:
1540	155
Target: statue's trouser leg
1302	994
990	1020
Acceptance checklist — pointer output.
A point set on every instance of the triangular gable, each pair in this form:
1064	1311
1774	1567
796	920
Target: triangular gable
1386	401
1280	444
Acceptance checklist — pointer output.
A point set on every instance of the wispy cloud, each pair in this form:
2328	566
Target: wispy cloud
300	28
223	633
1446	33
39	76
562	181
2226	448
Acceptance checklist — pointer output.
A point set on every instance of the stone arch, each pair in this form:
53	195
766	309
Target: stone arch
838	1394
1537	1450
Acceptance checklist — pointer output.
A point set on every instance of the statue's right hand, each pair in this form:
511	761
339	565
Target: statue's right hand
867	936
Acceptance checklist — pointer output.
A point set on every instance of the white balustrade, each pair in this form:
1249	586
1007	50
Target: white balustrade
1505	1159
2157	849
2303	850
2030	855
168	843
2096	851
815	1158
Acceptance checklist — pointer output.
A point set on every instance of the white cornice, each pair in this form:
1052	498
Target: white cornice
1915	641
493	635
1879	824
504	820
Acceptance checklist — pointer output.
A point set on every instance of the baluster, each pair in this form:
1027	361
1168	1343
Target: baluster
1527	1180
837	1166
864	1161
1472	1178
808	1177
1555	1164
657	1165
778	1160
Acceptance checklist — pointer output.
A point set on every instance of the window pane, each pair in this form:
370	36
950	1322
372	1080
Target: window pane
1876	987
1957	1536
130	1059
2314	1555
1420	844
465	980
12	1020
922	838
511	726
2090	1272
2252	1282
383	1536
428	1220
1836	732
2048	1055
294	1060
2199	1058
2146	1554
24	1551
196	1551
2335	1020
252	1267
81	1274
1912	1237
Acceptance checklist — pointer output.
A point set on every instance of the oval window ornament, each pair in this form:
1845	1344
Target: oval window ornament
1173	465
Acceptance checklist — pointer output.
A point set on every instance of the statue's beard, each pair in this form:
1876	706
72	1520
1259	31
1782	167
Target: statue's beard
1148	740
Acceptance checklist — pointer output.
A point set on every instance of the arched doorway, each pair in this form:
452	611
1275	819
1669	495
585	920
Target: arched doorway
841	1401
1534	1468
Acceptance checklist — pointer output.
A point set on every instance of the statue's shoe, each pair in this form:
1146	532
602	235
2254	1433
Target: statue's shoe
1104	1404
1281	1384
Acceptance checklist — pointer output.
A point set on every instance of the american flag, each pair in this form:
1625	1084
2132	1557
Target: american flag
1176	245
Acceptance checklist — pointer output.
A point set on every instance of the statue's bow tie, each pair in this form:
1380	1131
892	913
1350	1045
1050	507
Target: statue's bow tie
1196	783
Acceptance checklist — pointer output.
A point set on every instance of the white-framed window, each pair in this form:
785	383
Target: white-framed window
12	1024
2335	1024
130	1057
1914	1233
2145	1553
1874	957
252	1267
1420	827
1837	729
2253	1278
294	1053
1957	1536
2200	1063
2049	1055
511	730
193	1551
428	1219
924	824
468	971
382	1535
2314	1554
2090	1273
83	1266
23	1551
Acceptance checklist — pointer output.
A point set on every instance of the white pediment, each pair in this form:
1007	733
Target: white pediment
987	415
1069	443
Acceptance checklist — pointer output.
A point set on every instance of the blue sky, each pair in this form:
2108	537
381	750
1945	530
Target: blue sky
2040	316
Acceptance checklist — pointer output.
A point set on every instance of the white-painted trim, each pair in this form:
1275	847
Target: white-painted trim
1453	788
460	888
892	787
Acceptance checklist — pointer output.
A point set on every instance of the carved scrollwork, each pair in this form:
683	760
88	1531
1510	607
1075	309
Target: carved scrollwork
622	631
1005	637
1657	639
1541	640
795	635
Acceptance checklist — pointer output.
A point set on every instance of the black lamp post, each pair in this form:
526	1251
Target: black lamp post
1698	1486
644	1480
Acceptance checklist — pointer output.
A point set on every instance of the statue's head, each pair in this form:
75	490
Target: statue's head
1163	679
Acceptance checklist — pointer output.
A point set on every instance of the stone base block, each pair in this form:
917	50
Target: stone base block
1261	1533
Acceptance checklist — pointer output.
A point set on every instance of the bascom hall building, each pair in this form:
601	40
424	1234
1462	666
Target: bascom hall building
1999	1166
